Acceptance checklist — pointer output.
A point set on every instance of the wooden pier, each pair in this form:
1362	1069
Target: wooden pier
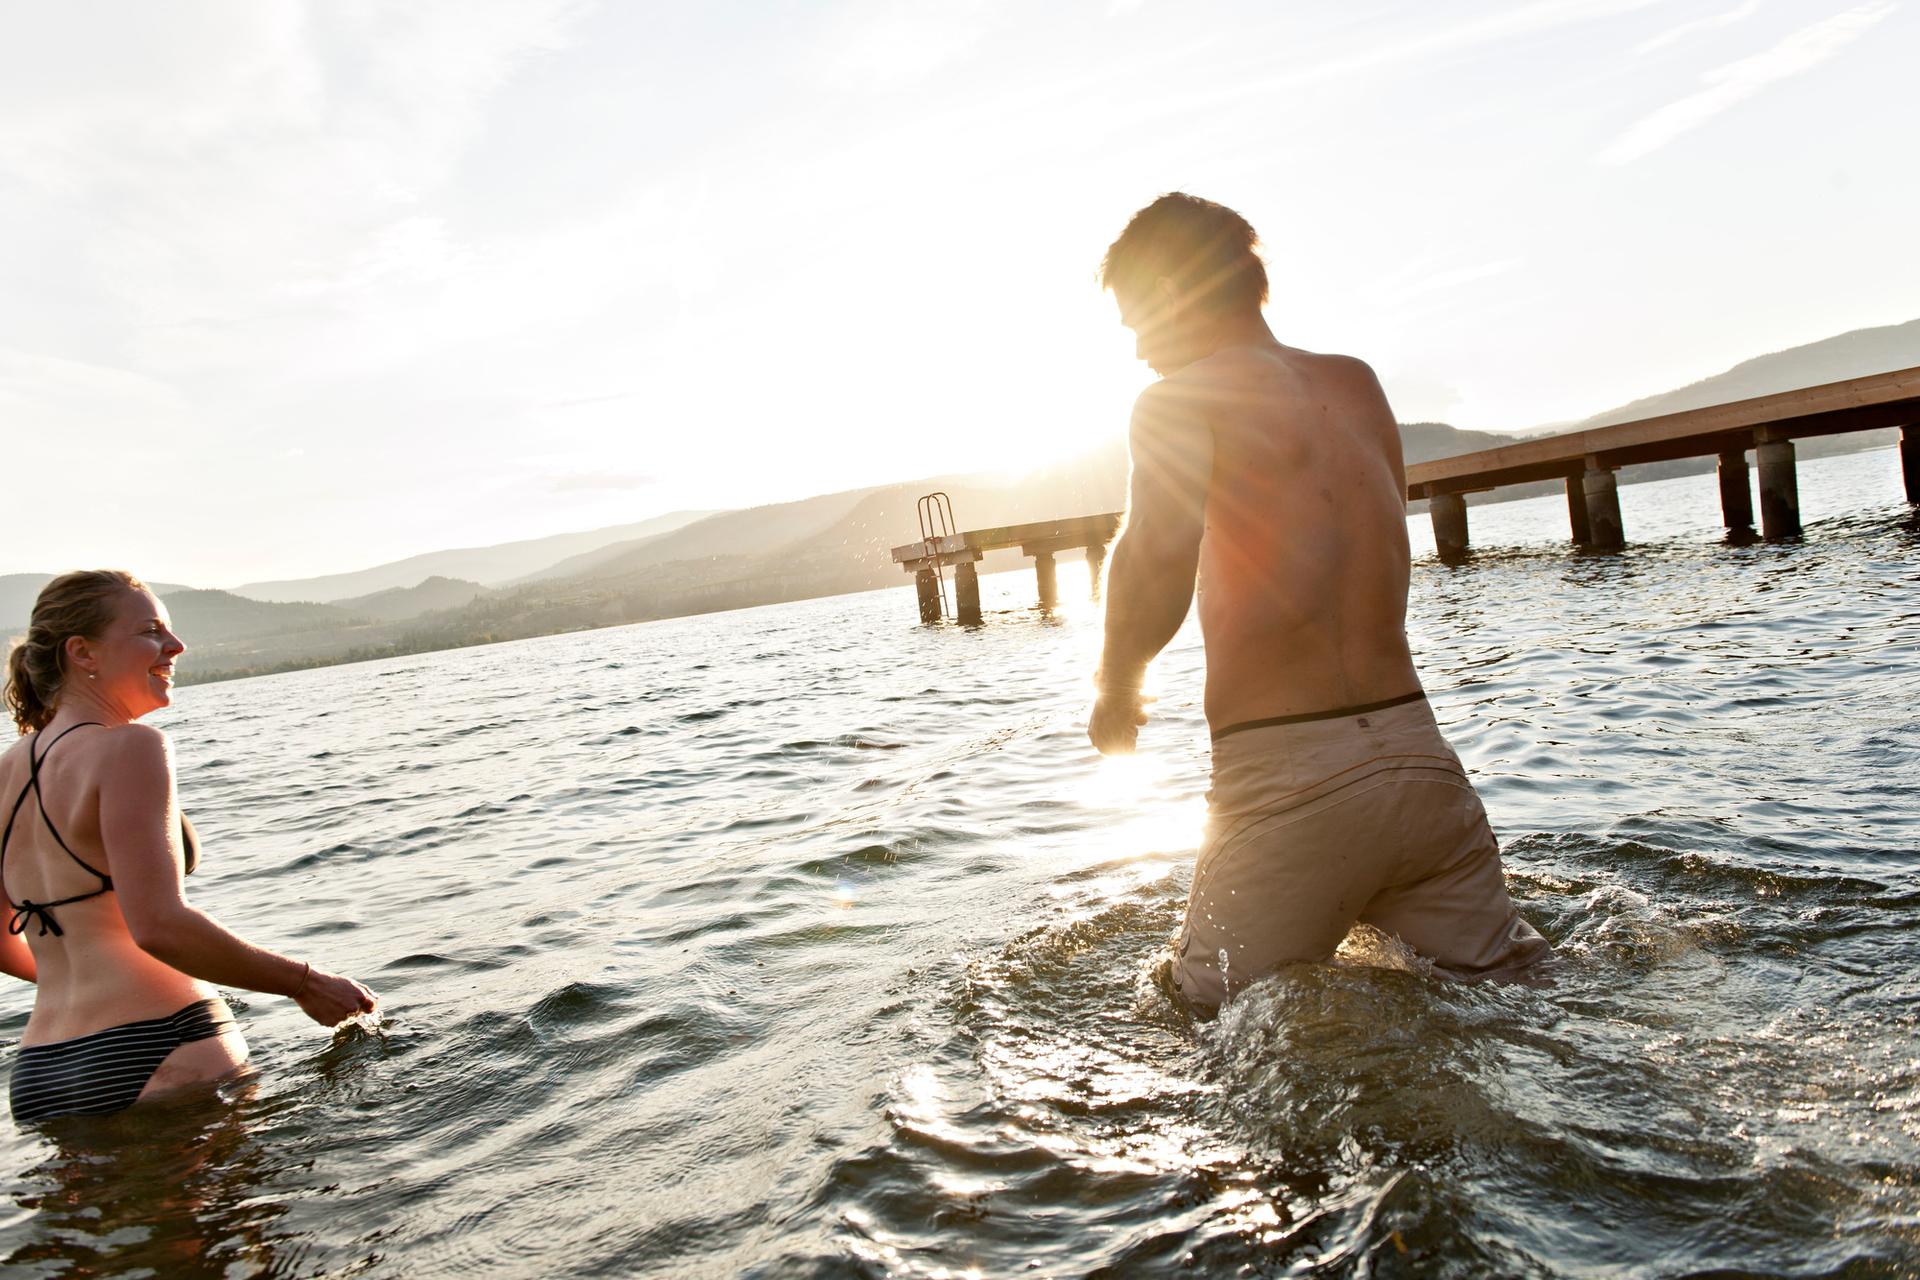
963	551
1586	460
1766	425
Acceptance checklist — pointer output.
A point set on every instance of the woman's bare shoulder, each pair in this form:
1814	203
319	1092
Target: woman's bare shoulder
133	745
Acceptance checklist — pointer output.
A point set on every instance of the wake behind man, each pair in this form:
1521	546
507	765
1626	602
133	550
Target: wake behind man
1276	474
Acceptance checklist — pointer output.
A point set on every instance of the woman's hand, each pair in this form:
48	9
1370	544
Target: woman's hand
330	999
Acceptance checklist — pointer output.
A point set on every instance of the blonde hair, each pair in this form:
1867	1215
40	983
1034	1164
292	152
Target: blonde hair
82	603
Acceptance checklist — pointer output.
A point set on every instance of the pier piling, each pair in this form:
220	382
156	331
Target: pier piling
927	587
1449	513
1577	511
1043	569
1910	459
1602	493
966	594
1736	492
1779	489
1097	561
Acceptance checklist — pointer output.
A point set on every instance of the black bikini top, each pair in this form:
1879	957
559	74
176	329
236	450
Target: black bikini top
28	910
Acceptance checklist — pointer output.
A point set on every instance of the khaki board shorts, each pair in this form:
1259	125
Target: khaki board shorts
1314	826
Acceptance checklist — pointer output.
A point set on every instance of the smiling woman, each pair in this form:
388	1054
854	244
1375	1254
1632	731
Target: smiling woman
124	1008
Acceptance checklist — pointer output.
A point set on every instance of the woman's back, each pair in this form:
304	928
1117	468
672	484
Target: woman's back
91	972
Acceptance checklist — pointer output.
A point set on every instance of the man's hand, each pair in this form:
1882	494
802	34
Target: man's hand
1114	725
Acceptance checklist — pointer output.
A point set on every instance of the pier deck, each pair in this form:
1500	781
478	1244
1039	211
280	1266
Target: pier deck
1041	540
1768	425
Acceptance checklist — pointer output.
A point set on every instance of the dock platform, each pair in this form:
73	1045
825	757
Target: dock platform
1766	425
963	551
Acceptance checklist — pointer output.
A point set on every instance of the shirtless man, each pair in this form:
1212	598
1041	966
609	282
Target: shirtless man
1276	474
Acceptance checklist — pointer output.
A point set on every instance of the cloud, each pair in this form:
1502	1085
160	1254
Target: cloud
67	406
1427	281
882	45
1713	22
1454	277
1502	24
1421	394
575	402
229	165
592	481
1734	83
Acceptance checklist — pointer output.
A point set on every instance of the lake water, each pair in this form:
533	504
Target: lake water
808	941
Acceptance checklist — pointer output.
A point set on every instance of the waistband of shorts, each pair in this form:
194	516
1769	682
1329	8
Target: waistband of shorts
1337	713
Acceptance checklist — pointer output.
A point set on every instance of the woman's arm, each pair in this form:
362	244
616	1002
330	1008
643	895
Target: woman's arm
139	826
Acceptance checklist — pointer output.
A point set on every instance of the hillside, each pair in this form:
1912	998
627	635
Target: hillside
1849	355
211	617
397	603
18	591
750	532
489	565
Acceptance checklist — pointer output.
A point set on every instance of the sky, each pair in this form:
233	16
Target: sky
295	288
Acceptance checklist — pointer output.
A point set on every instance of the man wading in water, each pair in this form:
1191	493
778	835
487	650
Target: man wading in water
1276	474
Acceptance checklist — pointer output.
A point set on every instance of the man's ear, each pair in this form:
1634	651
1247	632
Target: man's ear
1165	291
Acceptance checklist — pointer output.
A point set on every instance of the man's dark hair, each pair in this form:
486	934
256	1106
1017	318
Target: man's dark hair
1206	249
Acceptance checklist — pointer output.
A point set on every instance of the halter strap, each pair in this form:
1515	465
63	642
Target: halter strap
27	910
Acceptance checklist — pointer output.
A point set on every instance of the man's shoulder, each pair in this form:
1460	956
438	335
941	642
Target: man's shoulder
1233	366
1328	364
1237	376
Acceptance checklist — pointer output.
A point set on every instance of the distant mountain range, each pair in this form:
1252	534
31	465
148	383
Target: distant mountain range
698	562
492	566
1850	355
396	603
716	534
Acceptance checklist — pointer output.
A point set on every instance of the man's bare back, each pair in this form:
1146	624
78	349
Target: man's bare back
1303	564
1277	473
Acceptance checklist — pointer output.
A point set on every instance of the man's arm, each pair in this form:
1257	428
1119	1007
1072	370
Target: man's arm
1150	578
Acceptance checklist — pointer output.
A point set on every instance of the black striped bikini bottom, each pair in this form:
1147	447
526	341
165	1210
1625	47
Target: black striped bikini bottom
93	1074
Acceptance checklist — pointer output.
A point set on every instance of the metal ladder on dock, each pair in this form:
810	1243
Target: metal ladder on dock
936	523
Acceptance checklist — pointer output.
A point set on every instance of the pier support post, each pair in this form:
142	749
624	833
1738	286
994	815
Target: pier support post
1449	513
927	586
1043	569
966	594
1602	493
1577	512
1097	560
1779	489
1736	492
1910	459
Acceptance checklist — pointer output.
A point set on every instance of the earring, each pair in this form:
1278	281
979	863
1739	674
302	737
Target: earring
93	675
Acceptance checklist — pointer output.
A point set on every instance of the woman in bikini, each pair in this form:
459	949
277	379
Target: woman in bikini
92	860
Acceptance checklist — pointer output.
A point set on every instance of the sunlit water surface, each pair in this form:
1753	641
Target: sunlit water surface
808	941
